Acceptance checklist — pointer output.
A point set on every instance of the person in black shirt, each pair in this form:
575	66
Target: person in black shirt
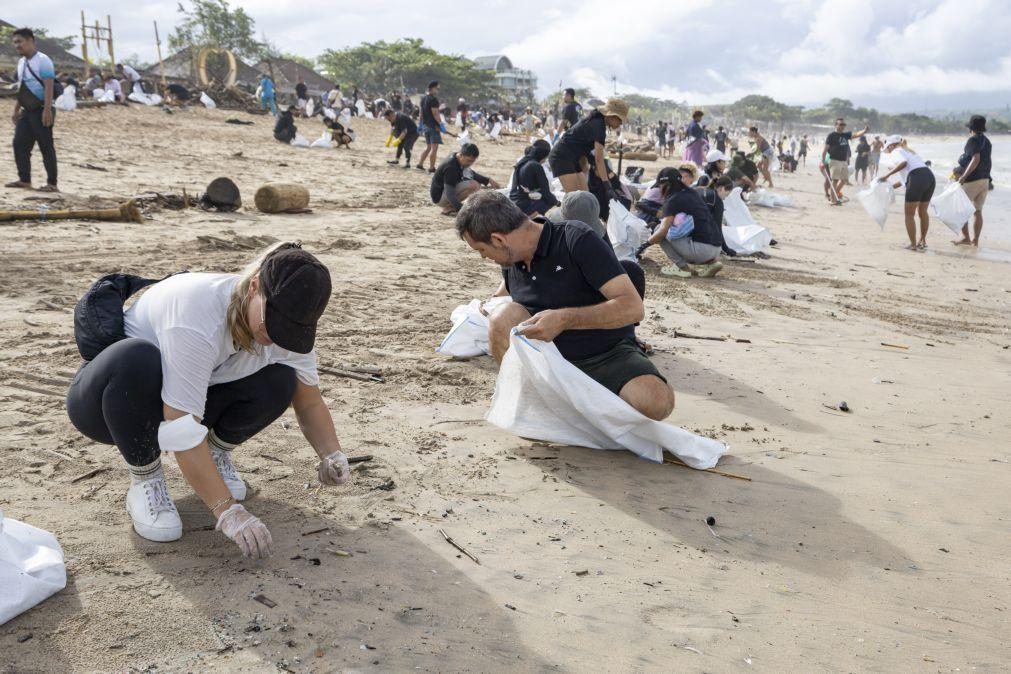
572	110
976	164
284	128
301	94
721	139
837	145
454	181
431	126
863	160
702	245
713	196
568	288
570	157
530	189
405	134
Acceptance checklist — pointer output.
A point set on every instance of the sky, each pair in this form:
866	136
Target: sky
913	55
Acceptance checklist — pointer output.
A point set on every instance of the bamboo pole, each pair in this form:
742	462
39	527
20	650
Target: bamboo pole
127	212
84	48
161	63
112	56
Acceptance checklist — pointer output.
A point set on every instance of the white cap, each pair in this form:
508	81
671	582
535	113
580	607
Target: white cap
893	139
716	155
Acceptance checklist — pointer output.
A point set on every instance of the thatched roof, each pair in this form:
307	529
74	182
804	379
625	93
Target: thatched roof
286	73
62	59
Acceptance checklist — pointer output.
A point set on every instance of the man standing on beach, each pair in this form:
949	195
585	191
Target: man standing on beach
875	157
33	114
431	120
975	179
571	111
267	94
837	145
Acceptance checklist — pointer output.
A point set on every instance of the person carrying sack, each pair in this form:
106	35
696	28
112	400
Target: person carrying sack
198	365
34	113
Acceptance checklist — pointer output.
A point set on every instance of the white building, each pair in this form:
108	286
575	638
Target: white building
521	84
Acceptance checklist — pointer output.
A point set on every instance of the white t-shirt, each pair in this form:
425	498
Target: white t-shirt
130	73
185	316
912	160
113	86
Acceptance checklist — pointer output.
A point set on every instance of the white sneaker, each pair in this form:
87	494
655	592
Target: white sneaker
154	514
223	461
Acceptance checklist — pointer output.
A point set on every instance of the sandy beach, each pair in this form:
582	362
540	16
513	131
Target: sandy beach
874	540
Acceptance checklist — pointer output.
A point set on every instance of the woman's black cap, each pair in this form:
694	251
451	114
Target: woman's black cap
297	289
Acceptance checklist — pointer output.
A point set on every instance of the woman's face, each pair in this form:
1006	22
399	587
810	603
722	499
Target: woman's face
687	178
256	314
612	121
721	165
722	193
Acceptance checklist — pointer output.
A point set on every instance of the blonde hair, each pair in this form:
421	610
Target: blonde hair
690	167
238	307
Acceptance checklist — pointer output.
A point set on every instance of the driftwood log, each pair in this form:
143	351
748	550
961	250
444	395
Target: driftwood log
281	198
637	156
127	212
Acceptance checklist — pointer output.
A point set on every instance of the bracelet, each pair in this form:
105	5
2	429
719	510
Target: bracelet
221	503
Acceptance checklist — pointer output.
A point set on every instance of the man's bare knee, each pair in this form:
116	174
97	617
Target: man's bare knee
650	396
500	324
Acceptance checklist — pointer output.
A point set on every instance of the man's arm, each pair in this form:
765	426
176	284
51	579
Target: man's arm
17	112
857	134
598	159
622	307
970	168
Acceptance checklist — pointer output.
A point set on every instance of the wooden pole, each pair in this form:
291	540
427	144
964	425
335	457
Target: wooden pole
84	47
127	212
112	56
98	43
161	64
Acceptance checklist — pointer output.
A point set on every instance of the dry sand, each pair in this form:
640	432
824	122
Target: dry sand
875	540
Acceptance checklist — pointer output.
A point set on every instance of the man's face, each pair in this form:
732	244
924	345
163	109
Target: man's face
23	46
498	250
568	98
434	90
840	125
466	161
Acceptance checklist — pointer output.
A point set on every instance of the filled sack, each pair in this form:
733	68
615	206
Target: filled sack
468	337
146	99
735	211
31	567
876	199
67	101
323	141
207	100
763	197
747	239
625	231
541	396
953	206
300	141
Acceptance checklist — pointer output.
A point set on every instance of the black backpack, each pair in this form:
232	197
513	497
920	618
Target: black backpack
98	316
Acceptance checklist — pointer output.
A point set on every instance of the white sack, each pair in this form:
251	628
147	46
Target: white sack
469	336
67	101
207	100
323	141
360	107
953	206
310	107
541	396
762	197
496	130
876	199
31	567
329	113
747	239
345	117
626	231
146	99
299	141
735	211
464	137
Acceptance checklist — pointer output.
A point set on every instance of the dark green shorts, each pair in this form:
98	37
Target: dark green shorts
615	368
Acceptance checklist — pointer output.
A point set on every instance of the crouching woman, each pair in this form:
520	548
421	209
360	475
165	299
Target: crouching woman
209	361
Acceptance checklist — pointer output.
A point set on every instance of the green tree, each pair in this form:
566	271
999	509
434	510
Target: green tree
212	23
756	108
407	64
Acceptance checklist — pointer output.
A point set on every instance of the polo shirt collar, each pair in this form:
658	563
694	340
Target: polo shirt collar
544	243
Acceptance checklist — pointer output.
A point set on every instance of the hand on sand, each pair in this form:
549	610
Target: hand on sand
544	326
248	532
334	469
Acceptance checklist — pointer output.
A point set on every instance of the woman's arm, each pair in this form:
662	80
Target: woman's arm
199	470
315	420
897	169
661	230
598	159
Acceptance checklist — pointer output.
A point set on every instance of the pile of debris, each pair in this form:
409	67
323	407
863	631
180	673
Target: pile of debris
234	98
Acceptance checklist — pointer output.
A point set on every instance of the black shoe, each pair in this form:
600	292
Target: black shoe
420	167
431	170
395	163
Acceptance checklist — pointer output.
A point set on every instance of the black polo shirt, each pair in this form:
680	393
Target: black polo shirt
570	266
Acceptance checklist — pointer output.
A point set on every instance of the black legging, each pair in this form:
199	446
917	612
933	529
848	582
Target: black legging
116	400
406	146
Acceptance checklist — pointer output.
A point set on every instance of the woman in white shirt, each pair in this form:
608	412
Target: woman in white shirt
920	184
209	360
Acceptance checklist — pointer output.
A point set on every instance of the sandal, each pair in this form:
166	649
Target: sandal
18	185
49	188
675	272
711	270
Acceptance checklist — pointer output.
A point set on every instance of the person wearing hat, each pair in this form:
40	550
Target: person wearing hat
267	96
716	164
584	143
209	361
976	164
582	207
920	184
701	244
531	190
567	287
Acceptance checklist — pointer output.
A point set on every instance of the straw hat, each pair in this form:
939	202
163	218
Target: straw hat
615	107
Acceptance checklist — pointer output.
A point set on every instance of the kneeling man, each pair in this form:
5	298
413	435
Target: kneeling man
567	287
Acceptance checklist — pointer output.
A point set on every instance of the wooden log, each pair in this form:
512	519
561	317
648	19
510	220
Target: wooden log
281	197
127	212
638	156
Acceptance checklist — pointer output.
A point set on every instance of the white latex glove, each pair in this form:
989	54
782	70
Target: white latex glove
248	532
334	469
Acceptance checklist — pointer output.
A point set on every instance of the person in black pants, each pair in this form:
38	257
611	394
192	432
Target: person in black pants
205	362
34	113
530	189
405	134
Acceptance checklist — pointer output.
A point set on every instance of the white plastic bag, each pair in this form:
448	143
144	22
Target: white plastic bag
735	211
626	231
323	141
496	130
953	206
31	567
207	100
310	107
464	137
747	239
146	99
541	396
876	199
299	141
329	113
763	197
67	101
468	337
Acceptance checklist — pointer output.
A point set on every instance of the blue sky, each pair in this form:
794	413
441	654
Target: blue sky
896	55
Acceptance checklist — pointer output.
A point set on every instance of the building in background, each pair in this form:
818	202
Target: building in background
520	85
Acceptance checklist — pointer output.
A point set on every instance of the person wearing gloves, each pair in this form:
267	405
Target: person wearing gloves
530	189
920	184
687	232
584	143
209	361
403	135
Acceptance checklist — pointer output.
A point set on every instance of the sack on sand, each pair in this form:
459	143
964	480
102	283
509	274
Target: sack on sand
146	99
953	206
876	199
626	231
207	100
67	101
310	107
31	567
735	211
496	130
299	141
464	138
468	337
541	396
104	96
323	141
747	239
762	197
345	116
